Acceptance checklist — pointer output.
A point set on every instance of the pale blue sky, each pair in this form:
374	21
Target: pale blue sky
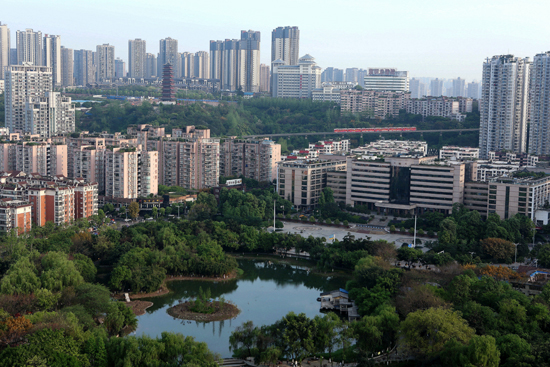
435	38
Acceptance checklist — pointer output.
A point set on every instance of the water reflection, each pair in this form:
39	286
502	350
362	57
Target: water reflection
265	293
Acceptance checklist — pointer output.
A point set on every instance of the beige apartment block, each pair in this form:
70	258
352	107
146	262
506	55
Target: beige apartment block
42	157
301	181
376	103
251	158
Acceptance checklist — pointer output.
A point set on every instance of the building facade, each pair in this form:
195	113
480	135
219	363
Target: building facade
503	104
539	134
137	58
5	46
376	103
105	63
255	159
52	57
67	67
29	47
296	81
387	80
285	45
168	54
84	69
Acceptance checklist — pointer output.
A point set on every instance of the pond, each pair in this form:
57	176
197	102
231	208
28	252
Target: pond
264	294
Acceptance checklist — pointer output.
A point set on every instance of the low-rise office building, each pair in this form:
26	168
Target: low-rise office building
458	153
391	148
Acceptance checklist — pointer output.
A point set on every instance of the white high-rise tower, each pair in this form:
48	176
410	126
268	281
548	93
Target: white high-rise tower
539	134
4	48
503	104
52	57
137	58
29	47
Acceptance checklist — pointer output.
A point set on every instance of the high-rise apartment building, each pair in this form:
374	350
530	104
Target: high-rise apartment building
331	74
120	68
151	66
137	58
229	64
473	90
216	59
105	65
352	75
248	70
436	87
22	82
15	215
187	64
265	78
459	87
201	65
52	57
418	89
285	45
84	67
29	47
539	134
296	81
67	67
49	115
387	80
4	48
255	159
13	56
168	54
503	104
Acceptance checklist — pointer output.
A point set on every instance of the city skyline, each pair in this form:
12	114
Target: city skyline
385	40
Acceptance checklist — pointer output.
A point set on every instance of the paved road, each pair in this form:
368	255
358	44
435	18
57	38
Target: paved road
366	132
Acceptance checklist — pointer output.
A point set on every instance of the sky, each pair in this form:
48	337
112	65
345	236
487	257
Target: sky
429	38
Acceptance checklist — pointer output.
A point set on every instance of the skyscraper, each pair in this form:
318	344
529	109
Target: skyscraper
32	106
436	87
539	134
67	67
120	68
52	57
248	72
418	89
137	58
105	62
229	66
285	45
473	90
83	67
202	65
151	67
4	48
216	57
503	104
29	47
168	53
13	56
458	87
187	64
265	78
352	75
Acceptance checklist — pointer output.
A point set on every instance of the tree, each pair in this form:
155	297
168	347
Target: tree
133	209
59	272
426	332
85	266
481	351
21	278
408	254
155	212
296	333
93	297
326	333
243	337
515	351
498	249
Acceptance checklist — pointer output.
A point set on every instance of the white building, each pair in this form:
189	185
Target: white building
105	62
387	80
436	106
31	106
52	57
330	146
29	47
4	48
503	104
330	91
137	58
296	81
458	153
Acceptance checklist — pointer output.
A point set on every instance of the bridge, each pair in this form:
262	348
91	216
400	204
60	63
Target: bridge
440	131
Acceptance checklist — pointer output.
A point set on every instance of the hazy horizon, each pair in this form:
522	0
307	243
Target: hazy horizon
427	38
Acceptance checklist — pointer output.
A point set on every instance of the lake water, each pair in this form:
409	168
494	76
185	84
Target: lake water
264	294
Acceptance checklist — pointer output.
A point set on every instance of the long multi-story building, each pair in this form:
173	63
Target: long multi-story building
539	134
84	73
137	58
388	79
52	57
376	103
436	106
296	81
503	104
330	91
285	45
105	63
29	47
302	181
255	159
4	48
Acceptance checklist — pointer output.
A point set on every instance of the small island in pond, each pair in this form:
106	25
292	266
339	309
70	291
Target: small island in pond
203	308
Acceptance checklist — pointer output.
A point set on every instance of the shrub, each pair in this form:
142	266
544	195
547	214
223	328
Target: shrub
392	228
346	223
